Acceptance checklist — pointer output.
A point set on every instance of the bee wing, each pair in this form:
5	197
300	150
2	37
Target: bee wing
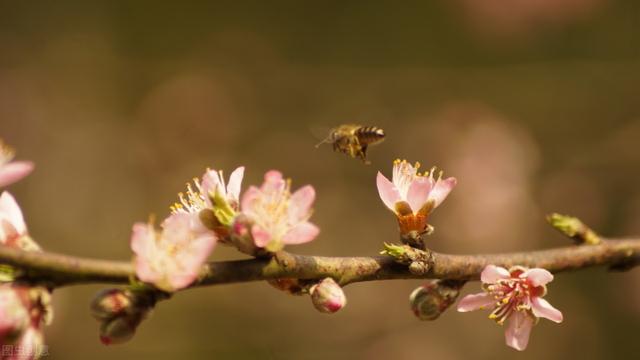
322	133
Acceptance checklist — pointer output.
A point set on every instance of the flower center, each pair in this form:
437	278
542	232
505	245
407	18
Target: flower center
192	202
271	210
403	175
511	295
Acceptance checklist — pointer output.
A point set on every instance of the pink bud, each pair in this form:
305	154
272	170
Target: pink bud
327	296
110	303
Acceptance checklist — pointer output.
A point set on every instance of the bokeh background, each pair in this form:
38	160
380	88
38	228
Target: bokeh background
532	104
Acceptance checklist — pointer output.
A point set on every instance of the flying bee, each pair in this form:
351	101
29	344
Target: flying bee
354	140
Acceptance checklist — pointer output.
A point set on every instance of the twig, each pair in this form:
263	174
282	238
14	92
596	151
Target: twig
60	270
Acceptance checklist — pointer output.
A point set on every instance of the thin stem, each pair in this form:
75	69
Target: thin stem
59	270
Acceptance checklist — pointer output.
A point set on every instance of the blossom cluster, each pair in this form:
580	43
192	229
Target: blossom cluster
263	220
515	294
24	308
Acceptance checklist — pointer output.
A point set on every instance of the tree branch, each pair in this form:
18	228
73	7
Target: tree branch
59	270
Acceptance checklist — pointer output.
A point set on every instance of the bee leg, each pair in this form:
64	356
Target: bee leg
362	154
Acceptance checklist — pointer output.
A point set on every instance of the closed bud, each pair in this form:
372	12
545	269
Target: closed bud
110	303
574	228
327	296
120	329
433	298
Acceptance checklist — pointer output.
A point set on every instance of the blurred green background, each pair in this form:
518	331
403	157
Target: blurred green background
533	105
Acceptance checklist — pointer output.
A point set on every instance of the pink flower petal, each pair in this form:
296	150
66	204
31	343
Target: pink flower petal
441	190
475	301
301	233
273	181
210	182
8	233
176	229
418	193
196	252
260	236
491	274
189	262
178	280
235	183
248	198
143	244
10	210
14	171
518	330
141	237
542	308
300	203
537	276
387	191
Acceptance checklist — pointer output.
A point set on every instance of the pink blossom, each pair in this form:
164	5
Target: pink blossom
12	171
516	296
279	217
411	195
13	230
211	185
171	259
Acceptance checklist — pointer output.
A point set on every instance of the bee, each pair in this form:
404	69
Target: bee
353	140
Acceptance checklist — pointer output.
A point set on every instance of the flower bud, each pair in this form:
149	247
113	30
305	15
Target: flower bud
120	329
327	296
110	303
433	298
574	228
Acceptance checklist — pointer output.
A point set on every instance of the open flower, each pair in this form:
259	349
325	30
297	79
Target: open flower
213	193
13	230
171	259
12	171
516	296
411	195
24	311
278	217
